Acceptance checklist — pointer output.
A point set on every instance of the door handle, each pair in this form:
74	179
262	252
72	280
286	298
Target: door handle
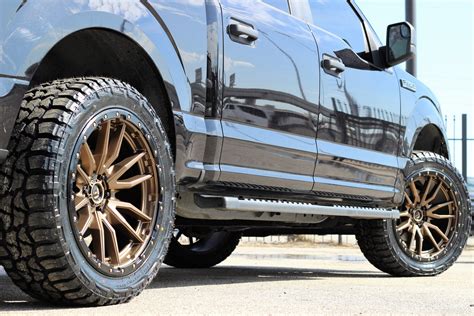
242	33
333	65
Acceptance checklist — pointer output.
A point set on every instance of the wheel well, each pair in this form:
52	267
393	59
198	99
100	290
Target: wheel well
101	52
431	139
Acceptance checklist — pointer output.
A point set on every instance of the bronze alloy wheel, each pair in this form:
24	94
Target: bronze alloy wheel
428	216
433	228
90	191
115	193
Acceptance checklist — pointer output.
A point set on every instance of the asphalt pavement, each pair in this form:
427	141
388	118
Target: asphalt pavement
279	280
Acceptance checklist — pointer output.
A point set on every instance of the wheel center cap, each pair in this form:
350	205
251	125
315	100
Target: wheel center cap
97	194
417	215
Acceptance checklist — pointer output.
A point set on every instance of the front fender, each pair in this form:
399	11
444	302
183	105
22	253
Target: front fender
39	25
424	113
173	34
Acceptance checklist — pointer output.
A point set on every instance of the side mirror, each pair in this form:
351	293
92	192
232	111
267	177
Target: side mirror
401	45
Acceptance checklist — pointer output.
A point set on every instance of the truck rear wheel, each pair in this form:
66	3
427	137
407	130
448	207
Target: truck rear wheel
88	193
204	251
434	225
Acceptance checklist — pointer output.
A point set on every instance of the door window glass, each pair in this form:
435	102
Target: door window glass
338	17
279	4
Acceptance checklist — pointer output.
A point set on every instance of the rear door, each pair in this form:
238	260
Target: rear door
359	123
271	95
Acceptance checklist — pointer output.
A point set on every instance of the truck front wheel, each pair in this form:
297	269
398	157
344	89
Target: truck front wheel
434	224
88	193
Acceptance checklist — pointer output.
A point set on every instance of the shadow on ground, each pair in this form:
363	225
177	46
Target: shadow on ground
169	277
13	299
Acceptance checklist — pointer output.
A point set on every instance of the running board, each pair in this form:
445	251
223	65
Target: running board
273	206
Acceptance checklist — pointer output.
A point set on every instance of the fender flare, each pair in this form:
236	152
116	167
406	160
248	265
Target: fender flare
424	113
155	41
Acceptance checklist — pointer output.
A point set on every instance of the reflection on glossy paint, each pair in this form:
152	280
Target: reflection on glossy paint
359	114
268	94
273	89
131	10
369	127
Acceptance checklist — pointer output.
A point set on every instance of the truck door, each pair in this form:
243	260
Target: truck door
359	123
271	95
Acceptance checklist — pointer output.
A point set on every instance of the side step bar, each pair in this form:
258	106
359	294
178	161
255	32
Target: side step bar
273	206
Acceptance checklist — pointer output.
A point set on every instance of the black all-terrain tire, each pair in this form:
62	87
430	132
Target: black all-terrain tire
378	240
38	249
206	253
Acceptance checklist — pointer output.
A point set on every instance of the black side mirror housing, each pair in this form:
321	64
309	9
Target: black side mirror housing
401	44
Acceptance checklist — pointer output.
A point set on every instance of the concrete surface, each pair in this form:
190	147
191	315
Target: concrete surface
273	280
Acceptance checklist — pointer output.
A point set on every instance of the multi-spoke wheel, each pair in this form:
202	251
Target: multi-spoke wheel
190	249
434	222
115	193
429	216
90	193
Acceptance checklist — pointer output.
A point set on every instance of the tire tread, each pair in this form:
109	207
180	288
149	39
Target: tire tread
31	244
376	245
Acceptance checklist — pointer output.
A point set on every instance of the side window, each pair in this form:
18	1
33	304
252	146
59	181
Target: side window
338	17
279	4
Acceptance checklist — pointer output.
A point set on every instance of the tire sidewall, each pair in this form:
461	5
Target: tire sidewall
100	101
458	241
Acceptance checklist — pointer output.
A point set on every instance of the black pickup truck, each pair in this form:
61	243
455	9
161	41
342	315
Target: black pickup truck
138	132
